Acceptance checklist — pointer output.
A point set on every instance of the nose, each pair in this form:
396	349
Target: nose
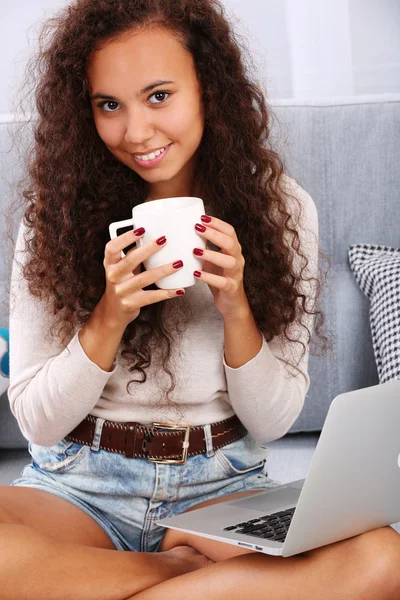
139	128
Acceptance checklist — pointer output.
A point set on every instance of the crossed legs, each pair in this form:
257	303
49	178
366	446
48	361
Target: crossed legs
365	567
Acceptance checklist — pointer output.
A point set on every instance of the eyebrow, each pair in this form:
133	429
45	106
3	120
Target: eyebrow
148	88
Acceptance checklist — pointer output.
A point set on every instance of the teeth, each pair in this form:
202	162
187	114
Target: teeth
150	156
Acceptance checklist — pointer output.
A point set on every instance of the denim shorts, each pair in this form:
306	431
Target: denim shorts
126	496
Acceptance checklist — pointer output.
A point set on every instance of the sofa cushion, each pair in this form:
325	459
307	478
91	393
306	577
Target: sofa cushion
377	271
345	153
10	433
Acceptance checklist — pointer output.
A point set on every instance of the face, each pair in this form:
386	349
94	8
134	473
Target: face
135	113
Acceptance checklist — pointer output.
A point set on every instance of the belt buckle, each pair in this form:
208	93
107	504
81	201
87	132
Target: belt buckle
185	444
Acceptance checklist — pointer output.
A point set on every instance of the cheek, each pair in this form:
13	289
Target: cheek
187	128
110	132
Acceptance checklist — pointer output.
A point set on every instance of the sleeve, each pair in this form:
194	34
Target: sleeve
268	392
52	387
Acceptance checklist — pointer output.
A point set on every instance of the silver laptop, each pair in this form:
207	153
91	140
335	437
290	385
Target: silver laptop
353	485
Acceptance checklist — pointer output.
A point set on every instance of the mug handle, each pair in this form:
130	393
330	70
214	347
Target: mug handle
113	228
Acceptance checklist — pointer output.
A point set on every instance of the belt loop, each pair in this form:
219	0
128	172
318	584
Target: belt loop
208	438
97	434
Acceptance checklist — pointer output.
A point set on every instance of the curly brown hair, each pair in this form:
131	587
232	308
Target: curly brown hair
77	187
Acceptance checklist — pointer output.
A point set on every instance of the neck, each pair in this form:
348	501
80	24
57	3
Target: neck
183	184
172	192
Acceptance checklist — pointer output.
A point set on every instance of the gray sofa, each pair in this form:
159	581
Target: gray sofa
345	152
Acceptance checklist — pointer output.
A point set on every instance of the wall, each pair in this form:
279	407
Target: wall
301	48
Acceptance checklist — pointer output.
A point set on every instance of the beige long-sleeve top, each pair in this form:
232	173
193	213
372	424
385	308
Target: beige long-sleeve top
53	388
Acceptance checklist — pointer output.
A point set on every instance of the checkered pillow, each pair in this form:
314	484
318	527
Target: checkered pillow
377	271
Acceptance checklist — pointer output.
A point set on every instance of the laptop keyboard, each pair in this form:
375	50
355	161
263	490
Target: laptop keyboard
271	527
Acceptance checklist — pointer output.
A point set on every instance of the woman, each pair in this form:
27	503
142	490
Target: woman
105	357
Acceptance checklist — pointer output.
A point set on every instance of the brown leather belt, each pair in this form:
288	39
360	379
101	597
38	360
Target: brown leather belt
158	442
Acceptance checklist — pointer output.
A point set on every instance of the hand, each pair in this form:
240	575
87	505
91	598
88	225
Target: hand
223	271
124	297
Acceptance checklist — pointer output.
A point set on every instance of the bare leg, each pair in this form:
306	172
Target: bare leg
365	567
36	565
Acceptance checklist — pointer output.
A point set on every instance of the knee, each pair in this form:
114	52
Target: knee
7	517
378	557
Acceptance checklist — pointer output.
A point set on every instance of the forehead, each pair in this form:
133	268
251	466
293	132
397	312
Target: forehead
138	57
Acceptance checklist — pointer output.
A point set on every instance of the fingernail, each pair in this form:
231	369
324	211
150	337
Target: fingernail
197	273
161	240
178	264
206	219
139	231
180	293
198	252
200	228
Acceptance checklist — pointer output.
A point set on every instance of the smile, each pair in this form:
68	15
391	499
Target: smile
149	160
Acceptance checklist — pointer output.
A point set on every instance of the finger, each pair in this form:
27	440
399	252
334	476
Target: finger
225	261
146	297
225	284
146	278
135	257
112	252
226	242
218	224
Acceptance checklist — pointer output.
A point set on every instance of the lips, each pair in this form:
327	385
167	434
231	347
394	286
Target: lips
154	161
150	151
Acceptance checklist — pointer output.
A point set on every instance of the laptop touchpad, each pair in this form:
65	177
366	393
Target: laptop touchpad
270	501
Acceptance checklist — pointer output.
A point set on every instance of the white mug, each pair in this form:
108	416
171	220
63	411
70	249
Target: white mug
176	219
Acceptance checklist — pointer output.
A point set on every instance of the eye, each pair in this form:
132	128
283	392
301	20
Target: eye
102	105
160	93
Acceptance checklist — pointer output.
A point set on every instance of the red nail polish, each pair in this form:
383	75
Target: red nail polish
197	273
206	219
139	231
180	293
198	252
161	240
200	228
178	264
